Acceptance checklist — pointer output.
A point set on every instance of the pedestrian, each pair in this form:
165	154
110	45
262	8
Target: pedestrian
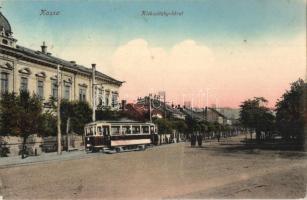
193	140
200	140
218	137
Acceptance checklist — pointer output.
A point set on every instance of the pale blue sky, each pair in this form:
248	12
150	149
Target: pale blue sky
216	21
225	46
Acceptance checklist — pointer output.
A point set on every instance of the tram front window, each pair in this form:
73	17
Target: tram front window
145	129
152	129
99	130
87	131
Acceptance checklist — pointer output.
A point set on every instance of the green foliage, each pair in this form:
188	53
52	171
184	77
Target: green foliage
47	124
179	125
29	113
20	114
9	114
79	113
290	112
108	114
191	123
164	126
255	115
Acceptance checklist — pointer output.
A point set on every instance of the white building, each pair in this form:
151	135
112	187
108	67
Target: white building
22	68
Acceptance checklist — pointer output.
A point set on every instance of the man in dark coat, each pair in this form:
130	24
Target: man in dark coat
218	136
193	140
200	140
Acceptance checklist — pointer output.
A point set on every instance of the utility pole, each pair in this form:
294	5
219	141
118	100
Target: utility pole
93	92
149	97
164	105
59	138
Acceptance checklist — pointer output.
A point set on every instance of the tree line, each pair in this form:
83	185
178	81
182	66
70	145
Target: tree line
287	119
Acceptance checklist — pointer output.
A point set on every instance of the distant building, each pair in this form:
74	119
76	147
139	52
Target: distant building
207	114
22	68
171	111
140	112
232	114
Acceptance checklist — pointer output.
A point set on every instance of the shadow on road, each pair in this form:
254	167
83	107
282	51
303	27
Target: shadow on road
284	150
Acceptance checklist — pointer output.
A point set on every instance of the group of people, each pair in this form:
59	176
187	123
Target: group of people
198	138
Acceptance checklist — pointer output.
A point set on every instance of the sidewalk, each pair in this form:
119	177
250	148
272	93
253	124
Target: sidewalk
44	157
6	162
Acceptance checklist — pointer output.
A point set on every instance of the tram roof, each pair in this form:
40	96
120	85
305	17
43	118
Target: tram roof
118	122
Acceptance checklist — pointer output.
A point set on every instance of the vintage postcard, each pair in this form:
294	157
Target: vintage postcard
135	99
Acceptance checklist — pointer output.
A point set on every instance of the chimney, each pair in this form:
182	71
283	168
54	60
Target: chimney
124	103
44	48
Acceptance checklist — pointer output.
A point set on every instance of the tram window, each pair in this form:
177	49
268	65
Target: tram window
99	130
115	130
126	130
145	129
135	129
152	129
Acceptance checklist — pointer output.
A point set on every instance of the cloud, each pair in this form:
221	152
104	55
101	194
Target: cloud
189	70
147	68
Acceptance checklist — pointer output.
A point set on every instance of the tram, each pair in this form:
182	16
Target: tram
118	136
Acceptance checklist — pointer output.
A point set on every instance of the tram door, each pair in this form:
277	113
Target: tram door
106	135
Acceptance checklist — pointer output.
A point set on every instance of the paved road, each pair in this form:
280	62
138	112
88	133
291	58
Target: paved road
170	171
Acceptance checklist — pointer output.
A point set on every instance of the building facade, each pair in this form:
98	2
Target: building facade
22	68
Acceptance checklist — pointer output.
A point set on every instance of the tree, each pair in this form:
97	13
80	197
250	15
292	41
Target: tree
256	116
47	124
179	125
67	111
30	110
81	115
9	114
108	114
290	112
164	126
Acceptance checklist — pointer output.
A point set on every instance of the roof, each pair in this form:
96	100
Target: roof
4	23
23	51
159	105
124	122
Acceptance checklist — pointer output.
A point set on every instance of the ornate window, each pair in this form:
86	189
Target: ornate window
4	82
82	93
67	87
54	88
99	97
40	89
107	96
23	84
114	99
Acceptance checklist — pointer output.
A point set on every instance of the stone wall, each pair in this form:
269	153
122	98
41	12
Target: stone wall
35	145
